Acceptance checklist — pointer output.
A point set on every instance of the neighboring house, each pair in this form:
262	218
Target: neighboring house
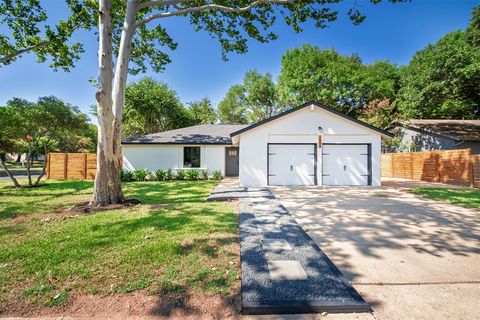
307	145
425	135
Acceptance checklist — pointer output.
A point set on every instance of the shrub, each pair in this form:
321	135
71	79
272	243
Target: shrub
169	174
204	174
126	176
217	175
181	174
193	174
141	174
160	174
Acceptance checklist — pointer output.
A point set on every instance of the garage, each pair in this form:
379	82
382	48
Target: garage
309	145
346	164
292	164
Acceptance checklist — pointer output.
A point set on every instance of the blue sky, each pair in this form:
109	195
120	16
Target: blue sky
391	32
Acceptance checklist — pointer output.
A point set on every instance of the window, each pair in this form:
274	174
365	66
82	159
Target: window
191	157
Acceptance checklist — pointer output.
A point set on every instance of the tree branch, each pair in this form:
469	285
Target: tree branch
150	4
211	6
12	56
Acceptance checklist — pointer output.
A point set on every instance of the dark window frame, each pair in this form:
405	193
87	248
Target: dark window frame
188	154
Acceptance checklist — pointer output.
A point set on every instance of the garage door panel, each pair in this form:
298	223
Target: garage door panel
291	164
345	164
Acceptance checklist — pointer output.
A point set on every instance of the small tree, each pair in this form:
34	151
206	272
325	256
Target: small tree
35	127
9	136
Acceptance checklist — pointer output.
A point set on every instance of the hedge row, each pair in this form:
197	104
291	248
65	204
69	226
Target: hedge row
166	175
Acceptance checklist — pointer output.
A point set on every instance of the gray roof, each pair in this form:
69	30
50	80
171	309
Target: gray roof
466	130
201	134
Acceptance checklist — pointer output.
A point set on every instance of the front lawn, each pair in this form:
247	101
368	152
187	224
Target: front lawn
466	197
173	243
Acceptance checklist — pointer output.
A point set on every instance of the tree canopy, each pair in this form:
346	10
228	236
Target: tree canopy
442	81
151	107
253	100
202	112
338	81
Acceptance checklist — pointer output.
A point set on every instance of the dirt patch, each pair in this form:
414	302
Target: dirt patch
139	305
77	210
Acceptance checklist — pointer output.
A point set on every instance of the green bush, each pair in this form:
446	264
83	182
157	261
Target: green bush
193	174
204	174
217	175
160	174
141	174
169	174
181	174
126	176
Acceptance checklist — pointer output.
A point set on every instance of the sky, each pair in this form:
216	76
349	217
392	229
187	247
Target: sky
392	32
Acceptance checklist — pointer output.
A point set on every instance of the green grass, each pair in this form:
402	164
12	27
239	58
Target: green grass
184	244
466	197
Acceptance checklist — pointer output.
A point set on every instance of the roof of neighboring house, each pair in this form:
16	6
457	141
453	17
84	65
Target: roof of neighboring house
200	134
318	105
460	130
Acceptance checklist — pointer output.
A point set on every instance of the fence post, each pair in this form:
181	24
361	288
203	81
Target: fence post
49	161
411	165
65	167
85	166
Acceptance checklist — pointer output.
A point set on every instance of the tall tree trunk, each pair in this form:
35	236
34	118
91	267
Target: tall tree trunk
106	189
10	175
29	173
120	82
44	168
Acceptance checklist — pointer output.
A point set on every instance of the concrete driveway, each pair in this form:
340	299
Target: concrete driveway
409	257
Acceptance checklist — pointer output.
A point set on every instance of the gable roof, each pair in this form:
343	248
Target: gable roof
200	134
318	105
460	130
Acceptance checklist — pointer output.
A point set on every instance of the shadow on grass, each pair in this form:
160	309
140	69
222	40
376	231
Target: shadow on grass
14	202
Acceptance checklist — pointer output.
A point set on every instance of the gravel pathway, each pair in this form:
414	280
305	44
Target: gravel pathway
283	270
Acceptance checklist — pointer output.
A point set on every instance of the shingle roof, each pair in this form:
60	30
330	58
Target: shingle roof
466	130
200	134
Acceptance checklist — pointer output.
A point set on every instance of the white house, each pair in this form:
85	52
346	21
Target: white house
307	145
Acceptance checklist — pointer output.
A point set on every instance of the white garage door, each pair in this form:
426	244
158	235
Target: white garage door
345	165
291	164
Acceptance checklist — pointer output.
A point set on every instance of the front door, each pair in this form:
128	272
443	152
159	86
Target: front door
231	161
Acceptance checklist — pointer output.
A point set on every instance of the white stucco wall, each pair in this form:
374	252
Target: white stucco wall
165	156
301	127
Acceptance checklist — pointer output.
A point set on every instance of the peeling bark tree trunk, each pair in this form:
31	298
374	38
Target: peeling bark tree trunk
9	174
107	189
110	104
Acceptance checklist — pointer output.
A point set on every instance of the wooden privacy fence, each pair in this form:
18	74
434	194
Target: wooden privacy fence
447	166
71	166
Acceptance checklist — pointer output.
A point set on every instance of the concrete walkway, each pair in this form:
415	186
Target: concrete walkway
283	270
409	257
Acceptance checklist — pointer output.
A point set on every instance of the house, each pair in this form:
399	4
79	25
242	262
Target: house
307	145
426	135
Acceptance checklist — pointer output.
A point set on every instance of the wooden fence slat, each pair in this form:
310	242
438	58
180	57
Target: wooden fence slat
458	167
78	166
